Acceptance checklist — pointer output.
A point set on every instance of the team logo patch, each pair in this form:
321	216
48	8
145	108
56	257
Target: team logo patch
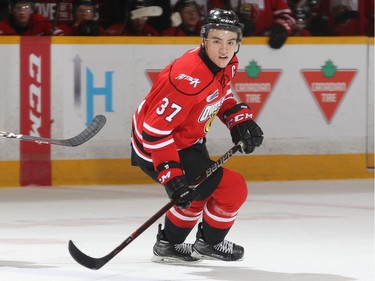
209	112
213	96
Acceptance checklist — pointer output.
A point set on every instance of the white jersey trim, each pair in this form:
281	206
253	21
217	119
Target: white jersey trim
156	131
159	145
139	135
139	153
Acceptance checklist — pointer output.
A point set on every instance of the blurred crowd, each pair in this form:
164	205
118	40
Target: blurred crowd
277	19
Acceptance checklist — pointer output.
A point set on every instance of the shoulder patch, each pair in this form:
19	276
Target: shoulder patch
189	75
193	81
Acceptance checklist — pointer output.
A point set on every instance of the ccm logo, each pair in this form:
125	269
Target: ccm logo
236	119
165	177
35	93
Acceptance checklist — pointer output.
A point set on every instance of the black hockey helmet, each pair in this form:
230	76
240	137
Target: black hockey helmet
222	19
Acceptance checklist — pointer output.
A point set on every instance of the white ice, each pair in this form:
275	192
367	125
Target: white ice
292	231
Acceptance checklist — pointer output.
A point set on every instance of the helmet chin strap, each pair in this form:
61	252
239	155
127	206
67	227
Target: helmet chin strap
238	49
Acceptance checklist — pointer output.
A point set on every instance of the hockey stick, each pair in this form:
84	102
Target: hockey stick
150	11
95	126
97	263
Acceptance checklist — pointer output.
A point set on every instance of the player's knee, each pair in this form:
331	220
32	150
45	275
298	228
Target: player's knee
237	185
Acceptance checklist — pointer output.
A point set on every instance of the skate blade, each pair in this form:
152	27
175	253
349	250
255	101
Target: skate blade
199	256
171	260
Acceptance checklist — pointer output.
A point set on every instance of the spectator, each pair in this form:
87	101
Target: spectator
58	12
202	4
346	17
24	20
61	12
135	22
190	20
302	11
262	18
85	22
164	21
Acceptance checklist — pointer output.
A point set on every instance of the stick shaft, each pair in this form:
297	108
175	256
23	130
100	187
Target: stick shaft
95	126
97	263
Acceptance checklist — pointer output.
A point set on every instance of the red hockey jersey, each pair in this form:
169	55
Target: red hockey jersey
179	110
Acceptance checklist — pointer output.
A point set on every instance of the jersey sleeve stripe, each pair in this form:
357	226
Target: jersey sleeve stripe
139	135
138	146
156	131
140	152
158	145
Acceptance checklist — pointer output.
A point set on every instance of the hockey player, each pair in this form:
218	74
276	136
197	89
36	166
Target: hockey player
168	143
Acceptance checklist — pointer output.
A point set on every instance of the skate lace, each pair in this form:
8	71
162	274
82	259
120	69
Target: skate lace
184	248
225	246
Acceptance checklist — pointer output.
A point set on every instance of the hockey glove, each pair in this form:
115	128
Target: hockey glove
278	36
172	177
243	128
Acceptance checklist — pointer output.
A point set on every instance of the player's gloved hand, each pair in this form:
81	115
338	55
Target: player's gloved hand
278	36
172	177
243	128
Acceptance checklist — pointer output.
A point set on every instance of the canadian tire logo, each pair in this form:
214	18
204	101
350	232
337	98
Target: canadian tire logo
152	74
328	86
253	86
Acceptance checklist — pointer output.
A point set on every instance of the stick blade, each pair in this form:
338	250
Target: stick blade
95	126
85	260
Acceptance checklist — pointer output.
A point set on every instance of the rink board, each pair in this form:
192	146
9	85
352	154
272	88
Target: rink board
317	111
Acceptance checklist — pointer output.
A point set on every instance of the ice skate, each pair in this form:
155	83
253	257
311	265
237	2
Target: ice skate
165	252
225	250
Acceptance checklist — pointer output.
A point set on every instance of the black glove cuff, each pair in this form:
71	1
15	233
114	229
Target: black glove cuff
234	109
167	165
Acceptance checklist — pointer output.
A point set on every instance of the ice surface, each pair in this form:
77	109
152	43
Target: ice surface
291	231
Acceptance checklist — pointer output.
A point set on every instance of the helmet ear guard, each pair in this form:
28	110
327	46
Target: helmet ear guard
224	20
